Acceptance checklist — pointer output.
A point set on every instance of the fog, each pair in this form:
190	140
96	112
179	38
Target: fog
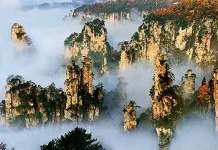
48	32
191	135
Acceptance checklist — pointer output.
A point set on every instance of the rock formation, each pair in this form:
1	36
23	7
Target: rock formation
82	102
28	104
92	42
20	38
130	120
215	96
188	83
163	101
181	39
70	15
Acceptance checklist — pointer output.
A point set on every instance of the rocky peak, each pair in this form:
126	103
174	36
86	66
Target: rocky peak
163	101
20	38
87	76
80	93
92	42
130	120
69	16
188	82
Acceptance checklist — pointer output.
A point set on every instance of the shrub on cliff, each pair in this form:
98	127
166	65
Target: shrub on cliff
76	139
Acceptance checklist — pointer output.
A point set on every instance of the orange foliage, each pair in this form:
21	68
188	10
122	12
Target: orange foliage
191	9
204	92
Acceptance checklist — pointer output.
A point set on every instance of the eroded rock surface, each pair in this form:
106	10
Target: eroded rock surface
130	120
196	42
20	38
92	42
82	102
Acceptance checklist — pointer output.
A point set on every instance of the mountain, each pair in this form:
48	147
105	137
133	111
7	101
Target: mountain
186	32
51	5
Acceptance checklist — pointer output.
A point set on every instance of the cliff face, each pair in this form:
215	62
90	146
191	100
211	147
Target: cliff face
82	102
163	101
92	42
20	38
195	41
130	120
28	104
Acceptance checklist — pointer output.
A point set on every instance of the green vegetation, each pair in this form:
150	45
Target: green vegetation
69	41
96	26
122	6
34	101
76	139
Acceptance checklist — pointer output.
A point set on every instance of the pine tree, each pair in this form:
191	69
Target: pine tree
203	81
76	139
3	146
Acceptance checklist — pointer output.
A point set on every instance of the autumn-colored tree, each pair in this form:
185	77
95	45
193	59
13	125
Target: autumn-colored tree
191	9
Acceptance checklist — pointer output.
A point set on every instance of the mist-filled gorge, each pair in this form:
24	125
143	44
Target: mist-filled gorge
132	81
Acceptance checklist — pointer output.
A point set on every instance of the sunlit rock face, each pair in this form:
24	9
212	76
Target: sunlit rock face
92	42
28	104
195	42
130	120
76	79
20	38
163	102
188	83
83	103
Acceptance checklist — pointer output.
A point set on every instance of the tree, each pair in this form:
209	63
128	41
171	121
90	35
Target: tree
3	146
76	139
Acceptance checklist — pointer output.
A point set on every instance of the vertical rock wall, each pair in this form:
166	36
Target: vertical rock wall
83	103
130	120
215	96
20	38
92	42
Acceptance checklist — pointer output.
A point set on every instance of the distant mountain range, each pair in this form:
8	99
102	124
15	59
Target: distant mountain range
51	5
117	6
